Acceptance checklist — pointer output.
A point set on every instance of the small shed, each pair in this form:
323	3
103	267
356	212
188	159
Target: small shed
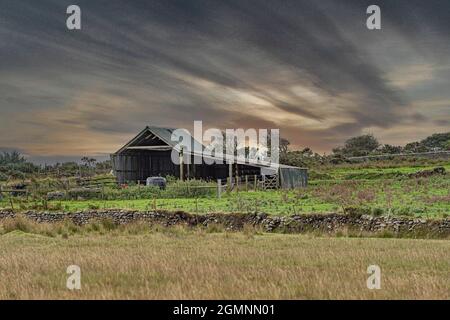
292	177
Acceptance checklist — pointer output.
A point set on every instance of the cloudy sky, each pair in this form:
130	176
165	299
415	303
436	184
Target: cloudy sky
310	68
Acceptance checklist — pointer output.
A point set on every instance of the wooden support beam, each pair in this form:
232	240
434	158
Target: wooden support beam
230	175
154	148
181	165
219	188
188	175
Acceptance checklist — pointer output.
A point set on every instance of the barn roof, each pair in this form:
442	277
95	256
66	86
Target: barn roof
165	135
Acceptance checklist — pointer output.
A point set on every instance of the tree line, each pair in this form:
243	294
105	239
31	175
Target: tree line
363	145
13	165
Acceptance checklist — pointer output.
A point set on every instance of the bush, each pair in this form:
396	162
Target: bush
406	211
3	176
93	206
19	223
314	175
108	224
190	189
56	195
356	212
176	189
84	193
376	212
364	175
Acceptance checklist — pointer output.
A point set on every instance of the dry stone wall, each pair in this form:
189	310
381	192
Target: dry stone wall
290	224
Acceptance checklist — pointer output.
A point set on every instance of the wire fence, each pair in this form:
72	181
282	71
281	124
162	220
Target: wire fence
98	185
410	154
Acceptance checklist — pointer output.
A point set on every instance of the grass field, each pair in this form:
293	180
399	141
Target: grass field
136	261
382	189
194	264
371	171
424	197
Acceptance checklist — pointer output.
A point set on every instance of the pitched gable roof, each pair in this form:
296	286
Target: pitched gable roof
164	135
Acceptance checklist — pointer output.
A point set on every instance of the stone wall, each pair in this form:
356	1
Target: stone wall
329	223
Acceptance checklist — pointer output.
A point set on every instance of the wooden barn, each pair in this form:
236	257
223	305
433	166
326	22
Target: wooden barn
150	154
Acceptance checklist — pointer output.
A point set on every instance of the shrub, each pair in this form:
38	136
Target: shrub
356	211
132	192
385	234
108	224
56	195
314	175
3	176
214	228
376	212
93	206
189	189
176	189
19	223
84	193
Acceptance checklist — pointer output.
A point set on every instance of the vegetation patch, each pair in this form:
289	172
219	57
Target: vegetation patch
186	263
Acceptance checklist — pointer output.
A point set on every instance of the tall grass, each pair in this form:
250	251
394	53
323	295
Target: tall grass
174	189
187	264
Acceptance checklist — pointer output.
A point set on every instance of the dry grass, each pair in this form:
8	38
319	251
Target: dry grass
139	263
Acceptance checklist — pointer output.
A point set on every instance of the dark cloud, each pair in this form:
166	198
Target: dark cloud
442	122
224	62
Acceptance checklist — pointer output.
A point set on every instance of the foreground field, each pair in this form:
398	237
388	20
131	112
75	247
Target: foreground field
194	264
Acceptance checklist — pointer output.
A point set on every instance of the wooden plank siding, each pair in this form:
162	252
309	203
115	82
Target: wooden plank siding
138	165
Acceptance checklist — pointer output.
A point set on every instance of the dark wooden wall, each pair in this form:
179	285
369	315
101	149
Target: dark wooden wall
138	165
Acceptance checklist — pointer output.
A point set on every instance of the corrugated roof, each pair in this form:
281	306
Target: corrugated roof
165	134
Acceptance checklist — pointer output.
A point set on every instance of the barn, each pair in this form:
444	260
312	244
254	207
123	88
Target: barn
149	154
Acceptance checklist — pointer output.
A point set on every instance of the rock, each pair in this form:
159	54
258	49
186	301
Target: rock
294	224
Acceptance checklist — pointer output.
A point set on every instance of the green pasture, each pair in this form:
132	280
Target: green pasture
422	197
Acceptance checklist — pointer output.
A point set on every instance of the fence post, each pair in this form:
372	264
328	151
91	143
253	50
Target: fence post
196	205
230	175
246	182
255	182
187	171
181	164
219	188
237	176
